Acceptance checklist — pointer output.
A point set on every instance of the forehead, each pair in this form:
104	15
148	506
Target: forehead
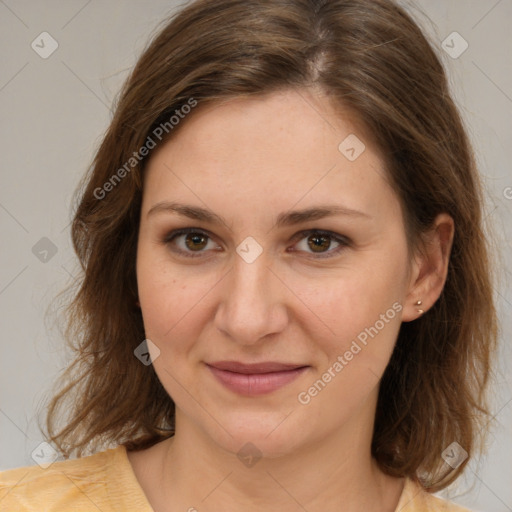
279	119
277	149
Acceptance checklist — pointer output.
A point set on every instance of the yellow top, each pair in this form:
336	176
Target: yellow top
105	481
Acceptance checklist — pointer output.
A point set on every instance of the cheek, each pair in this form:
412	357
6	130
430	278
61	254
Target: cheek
360	313
173	311
352	300
353	365
172	299
171	308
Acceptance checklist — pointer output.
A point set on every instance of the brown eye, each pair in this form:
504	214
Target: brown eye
190	242
319	243
196	241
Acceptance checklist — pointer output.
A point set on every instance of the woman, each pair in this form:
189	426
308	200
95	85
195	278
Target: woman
286	301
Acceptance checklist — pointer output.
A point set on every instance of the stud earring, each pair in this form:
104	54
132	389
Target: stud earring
418	303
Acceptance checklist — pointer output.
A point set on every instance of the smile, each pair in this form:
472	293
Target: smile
257	379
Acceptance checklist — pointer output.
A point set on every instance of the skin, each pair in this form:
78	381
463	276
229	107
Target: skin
249	160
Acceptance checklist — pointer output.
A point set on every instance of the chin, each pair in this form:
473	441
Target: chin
269	435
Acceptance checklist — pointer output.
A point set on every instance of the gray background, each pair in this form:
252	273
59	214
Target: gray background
54	112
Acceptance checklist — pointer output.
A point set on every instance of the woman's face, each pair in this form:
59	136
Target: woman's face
296	255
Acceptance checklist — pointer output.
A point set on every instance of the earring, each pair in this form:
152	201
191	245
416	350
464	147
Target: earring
418	303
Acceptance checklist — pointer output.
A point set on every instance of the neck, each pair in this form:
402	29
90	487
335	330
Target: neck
335	472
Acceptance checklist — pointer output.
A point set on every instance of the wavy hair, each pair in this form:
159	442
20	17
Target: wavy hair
371	58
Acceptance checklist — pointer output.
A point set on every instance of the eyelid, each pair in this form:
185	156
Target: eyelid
343	241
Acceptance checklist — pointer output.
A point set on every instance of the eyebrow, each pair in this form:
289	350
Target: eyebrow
288	218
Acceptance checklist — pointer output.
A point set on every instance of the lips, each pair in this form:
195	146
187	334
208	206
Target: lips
255	378
265	367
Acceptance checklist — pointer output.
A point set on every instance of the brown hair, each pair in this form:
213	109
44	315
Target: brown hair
371	57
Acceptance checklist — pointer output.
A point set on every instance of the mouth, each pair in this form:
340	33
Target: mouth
256	378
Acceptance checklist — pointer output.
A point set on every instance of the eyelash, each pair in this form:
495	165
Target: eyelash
342	241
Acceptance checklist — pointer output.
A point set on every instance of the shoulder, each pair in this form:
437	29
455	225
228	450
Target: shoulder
414	498
78	484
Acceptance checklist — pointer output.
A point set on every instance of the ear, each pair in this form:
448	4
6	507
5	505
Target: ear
430	268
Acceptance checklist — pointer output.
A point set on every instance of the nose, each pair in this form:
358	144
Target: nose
252	304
